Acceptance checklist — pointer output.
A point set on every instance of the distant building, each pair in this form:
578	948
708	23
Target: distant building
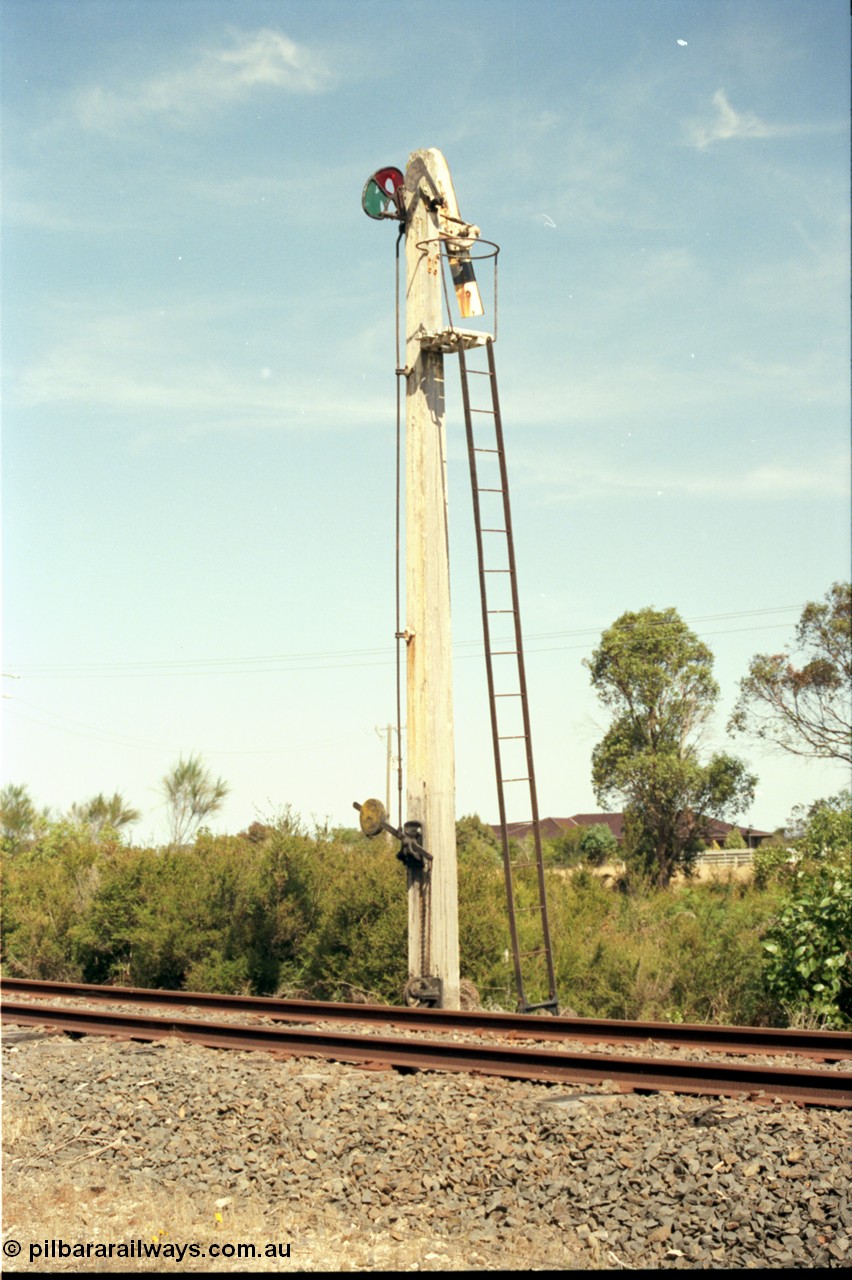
551	827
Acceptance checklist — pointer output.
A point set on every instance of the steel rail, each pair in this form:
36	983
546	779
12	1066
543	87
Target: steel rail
807	1087
825	1045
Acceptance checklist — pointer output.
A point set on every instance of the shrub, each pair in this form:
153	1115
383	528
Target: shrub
689	954
279	909
47	889
564	850
809	946
598	844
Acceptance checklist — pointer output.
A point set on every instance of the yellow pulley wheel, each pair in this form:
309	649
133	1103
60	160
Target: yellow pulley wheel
373	817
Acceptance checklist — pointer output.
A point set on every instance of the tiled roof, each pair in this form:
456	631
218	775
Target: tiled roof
552	827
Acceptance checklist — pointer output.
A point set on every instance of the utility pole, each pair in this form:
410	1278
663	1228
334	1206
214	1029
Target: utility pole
387	730
433	946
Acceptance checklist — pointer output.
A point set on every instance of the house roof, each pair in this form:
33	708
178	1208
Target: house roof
551	827
615	822
717	830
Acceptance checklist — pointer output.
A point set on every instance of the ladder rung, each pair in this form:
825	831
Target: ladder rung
531	858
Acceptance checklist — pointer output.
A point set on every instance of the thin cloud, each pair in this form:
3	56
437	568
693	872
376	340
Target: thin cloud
45	216
153	366
641	392
264	59
728	123
575	478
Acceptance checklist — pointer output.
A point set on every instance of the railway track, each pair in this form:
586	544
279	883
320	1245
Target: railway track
648	1073
828	1046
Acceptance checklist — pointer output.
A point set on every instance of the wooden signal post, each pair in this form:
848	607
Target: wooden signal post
433	945
424	200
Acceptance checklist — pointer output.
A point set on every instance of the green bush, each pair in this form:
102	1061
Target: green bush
712	947
358	939
47	889
598	844
564	850
279	909
690	954
769	864
809	946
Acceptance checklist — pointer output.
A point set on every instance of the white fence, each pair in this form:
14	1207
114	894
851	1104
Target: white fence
725	858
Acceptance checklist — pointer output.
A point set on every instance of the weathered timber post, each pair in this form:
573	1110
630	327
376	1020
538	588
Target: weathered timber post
433	947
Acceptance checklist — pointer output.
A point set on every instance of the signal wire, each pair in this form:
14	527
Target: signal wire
400	373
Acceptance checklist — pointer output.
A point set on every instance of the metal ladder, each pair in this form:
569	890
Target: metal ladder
507	689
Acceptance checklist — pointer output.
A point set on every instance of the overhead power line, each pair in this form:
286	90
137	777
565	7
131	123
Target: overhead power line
56	723
339	659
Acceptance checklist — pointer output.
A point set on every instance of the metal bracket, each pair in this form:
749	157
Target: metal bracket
424	991
411	851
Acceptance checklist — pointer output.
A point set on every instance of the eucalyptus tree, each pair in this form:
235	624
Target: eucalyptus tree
801	700
656	677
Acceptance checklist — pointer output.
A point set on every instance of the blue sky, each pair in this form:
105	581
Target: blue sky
198	434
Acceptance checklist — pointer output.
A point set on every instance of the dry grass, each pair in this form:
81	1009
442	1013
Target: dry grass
703	873
26	1127
98	1212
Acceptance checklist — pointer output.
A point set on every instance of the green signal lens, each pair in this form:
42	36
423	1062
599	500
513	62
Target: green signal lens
375	201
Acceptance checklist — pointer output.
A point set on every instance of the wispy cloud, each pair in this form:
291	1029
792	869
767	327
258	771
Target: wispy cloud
727	123
169	367
48	215
264	59
586	478
641	392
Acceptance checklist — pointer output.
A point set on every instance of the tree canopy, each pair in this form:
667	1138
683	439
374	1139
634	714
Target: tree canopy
656	676
105	811
805	706
18	816
191	796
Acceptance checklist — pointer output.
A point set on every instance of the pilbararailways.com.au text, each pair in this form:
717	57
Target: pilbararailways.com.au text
159	1250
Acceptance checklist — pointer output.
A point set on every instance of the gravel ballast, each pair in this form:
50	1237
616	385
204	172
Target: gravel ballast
584	1177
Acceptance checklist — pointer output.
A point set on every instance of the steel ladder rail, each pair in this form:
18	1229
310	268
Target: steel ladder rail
474	450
